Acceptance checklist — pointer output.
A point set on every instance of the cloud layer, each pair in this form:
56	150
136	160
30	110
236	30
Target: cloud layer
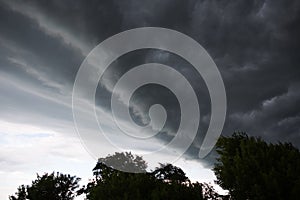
255	45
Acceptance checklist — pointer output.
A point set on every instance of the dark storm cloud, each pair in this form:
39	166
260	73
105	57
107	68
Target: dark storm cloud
149	95
255	48
27	45
255	45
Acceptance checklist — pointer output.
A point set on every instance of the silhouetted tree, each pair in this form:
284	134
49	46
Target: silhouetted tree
170	173
252	169
166	182
125	162
49	187
21	194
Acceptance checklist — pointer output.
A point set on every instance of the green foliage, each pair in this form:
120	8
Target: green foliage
49	187
166	182
250	168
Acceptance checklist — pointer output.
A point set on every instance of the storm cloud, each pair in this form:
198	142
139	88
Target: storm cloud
255	45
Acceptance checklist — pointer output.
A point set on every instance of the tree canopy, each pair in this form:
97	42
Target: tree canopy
250	168
170	173
165	182
124	161
54	186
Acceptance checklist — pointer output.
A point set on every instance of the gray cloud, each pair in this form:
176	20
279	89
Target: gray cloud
254	44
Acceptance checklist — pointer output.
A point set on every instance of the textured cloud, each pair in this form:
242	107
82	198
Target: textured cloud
255	45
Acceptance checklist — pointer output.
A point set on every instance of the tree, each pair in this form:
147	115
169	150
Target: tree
166	182
49	187
250	168
125	162
170	173
21	194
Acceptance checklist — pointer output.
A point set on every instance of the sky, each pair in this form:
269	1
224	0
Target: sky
254	44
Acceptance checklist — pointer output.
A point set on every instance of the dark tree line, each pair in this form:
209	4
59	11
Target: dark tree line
248	167
165	182
54	186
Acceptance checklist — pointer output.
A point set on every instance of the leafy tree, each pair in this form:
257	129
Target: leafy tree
170	173
21	194
125	162
250	168
166	182
49	187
